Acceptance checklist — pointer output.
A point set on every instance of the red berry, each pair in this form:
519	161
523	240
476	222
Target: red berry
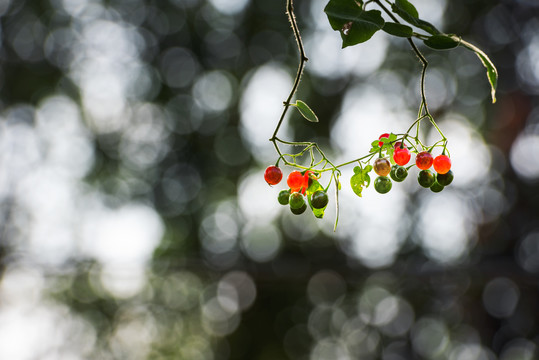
385	135
398	145
423	160
442	164
295	181
306	178
273	175
401	156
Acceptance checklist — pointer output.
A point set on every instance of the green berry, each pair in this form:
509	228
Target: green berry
425	178
300	210
382	184
398	173
296	200
436	187
401	173
445	179
319	199
284	197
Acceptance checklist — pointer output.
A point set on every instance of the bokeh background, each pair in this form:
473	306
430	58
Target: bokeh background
135	222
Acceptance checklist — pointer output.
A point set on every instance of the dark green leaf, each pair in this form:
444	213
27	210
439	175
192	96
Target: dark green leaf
441	42
340	12
362	28
427	26
354	24
306	111
398	29
407	7
409	14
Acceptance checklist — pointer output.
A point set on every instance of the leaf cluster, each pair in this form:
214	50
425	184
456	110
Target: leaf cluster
357	25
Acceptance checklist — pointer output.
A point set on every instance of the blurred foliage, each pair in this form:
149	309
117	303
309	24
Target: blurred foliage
134	221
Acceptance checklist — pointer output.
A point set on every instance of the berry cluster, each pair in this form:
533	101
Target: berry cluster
391	163
401	155
303	189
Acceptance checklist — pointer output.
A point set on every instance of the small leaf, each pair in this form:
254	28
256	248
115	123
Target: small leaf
398	29
441	42
336	202
315	186
319	213
360	180
357	170
306	111
492	73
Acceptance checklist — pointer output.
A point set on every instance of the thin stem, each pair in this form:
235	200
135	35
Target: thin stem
302	60
424	106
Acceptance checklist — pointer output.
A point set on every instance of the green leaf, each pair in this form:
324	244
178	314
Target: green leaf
306	111
407	7
492	73
336	202
360	180
408	13
398	29
354	24
442	42
315	186
427	26
340	12
362	28
319	213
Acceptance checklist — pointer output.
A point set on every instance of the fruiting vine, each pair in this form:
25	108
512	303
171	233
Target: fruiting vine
391	153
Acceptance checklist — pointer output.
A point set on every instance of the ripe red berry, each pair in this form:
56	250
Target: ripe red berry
442	164
295	181
424	160
401	156
381	143
273	175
